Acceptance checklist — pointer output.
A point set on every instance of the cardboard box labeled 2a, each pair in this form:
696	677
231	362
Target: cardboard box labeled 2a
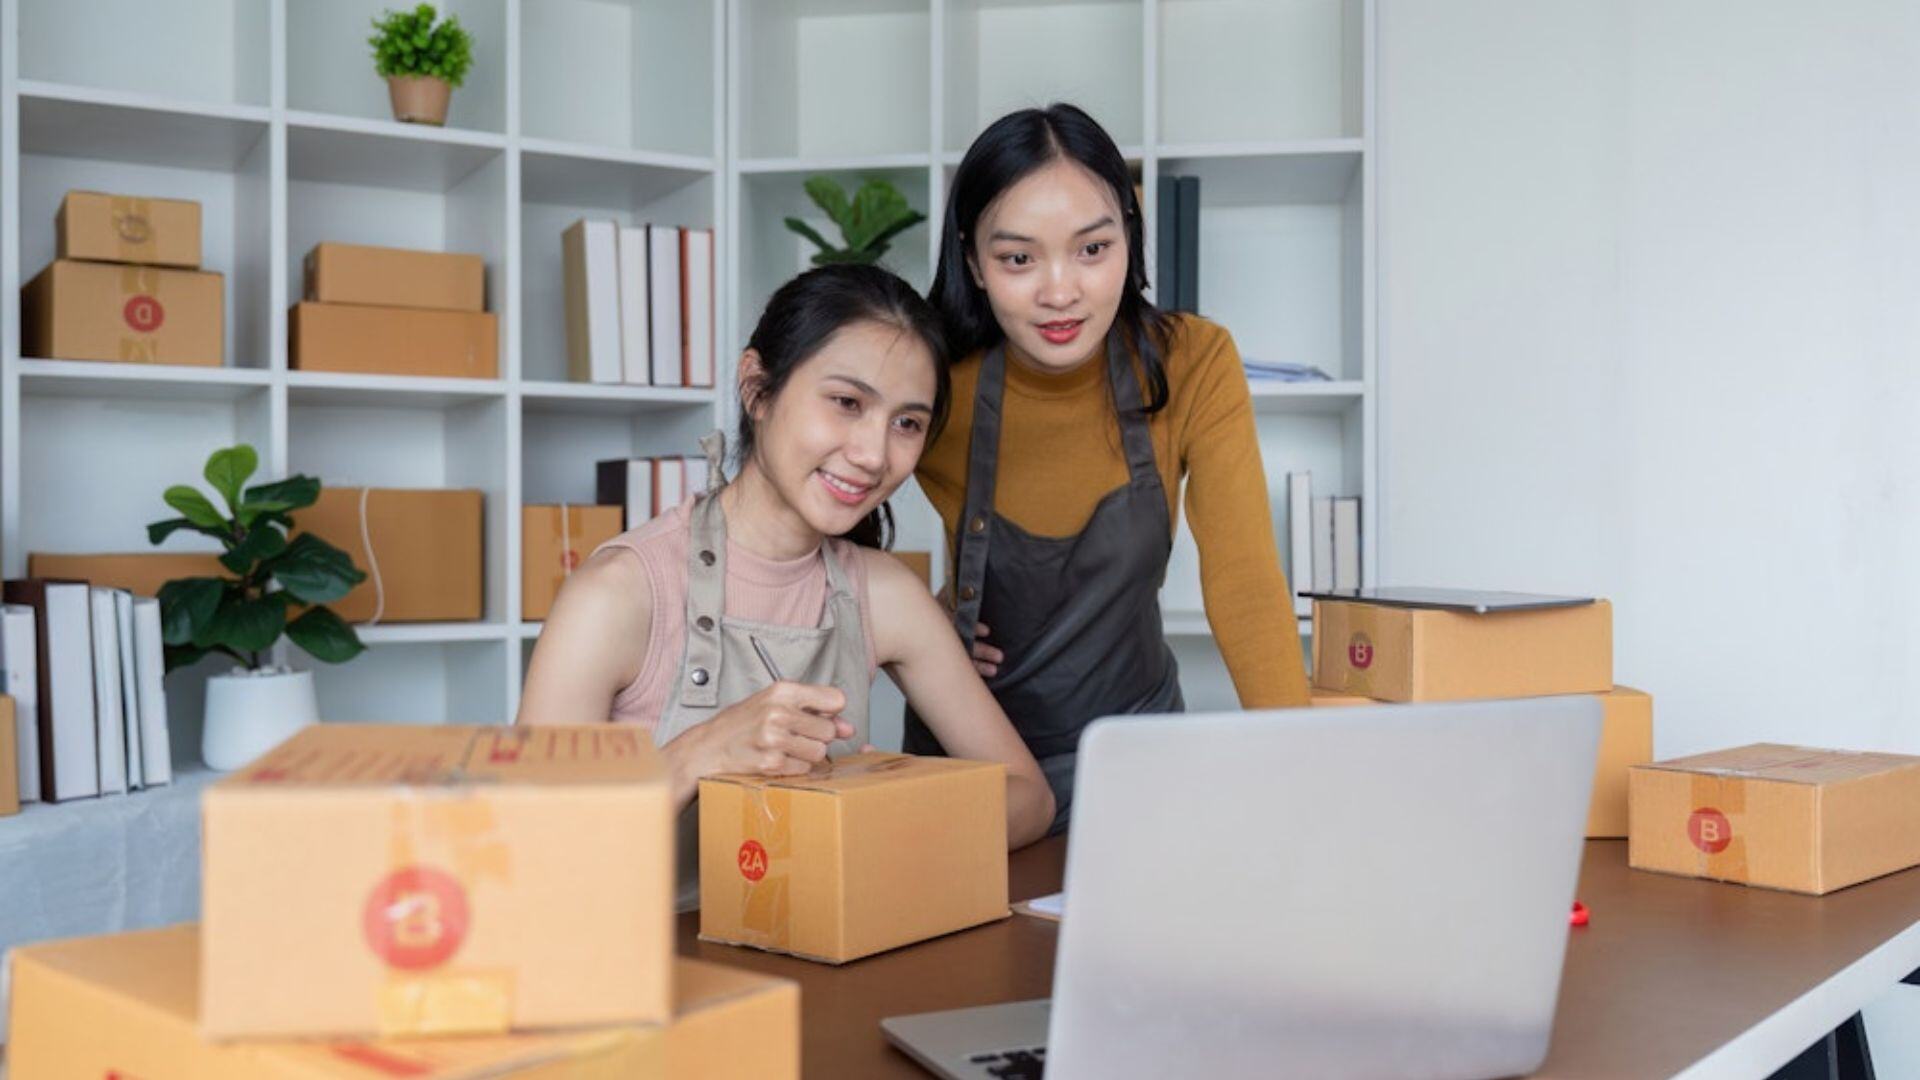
877	851
426	546
1414	654
128	229
396	277
126	1005
366	340
1783	817
414	880
132	314
554	541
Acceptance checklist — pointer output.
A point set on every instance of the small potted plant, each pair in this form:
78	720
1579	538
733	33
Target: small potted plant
421	60
256	705
875	215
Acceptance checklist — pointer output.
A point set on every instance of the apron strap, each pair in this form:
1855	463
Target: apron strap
706	598
714	445
976	524
1135	437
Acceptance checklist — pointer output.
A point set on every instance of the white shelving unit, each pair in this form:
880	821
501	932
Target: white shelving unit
268	113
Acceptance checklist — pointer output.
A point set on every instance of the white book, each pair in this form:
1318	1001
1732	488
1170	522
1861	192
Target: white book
590	274
129	689
1346	542
635	336
65	654
663	275
19	669
698	305
669	483
150	670
1322	544
1300	538
108	715
696	475
639	492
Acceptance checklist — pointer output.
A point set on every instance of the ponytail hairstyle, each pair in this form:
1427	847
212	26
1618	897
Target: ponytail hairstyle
799	320
1011	148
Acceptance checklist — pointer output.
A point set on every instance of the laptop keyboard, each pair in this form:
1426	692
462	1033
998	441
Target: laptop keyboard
1013	1064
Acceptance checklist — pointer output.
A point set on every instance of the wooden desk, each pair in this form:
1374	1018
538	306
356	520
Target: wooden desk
1673	976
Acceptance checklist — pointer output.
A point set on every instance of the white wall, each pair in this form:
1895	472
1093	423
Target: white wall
1650	329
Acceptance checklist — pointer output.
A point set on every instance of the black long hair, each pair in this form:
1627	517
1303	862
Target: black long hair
800	319
1012	147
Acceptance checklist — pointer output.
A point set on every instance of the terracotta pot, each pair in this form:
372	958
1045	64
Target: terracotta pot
419	99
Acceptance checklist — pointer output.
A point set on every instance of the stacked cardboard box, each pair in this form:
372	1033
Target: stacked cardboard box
388	311
422	549
125	285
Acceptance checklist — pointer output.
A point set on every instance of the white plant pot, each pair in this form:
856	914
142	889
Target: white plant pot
251	712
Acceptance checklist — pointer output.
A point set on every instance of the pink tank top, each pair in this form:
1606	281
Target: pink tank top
787	592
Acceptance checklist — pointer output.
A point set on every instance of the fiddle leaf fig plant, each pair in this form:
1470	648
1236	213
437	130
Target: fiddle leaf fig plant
242	616
868	221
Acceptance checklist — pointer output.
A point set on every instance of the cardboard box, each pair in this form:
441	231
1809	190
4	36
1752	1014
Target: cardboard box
871	852
1324	699
125	1005
396	277
1412	654
1783	817
427	543
920	562
9	758
131	314
397	879
551	548
366	340
1626	740
140	573
128	229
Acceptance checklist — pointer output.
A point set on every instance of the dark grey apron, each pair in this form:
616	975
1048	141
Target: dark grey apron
1077	616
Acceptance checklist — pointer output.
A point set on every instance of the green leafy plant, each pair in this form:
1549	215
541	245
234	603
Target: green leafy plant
409	43
875	215
243	616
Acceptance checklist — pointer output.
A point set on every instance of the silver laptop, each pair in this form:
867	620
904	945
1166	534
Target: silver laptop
1379	891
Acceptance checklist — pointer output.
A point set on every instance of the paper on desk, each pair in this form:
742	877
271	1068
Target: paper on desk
1049	907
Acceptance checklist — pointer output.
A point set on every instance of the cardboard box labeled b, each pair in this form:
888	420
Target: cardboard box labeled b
124	1005
554	541
396	879
427	545
140	573
874	852
1783	817
396	277
128	229
131	314
1415	654
366	340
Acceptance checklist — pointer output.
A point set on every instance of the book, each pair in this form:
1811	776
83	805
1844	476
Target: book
129	689
1322	544
590	275
109	708
63	661
150	669
1166	248
1189	243
1300	538
697	292
636	337
1346	542
696	475
19	679
669	483
663	275
627	484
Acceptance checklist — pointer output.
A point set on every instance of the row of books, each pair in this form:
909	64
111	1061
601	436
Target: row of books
640	304
647	487
1177	245
1323	541
86	670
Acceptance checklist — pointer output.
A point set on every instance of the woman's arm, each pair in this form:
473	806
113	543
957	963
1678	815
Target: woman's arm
915	642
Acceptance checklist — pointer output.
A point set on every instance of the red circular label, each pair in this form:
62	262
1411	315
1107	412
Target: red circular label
753	860
1709	830
415	918
144	313
1360	652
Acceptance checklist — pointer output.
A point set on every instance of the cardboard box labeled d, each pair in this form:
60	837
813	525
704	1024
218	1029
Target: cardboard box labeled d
413	880
1784	817
140	573
427	545
366	340
1417	654
554	541
877	851
132	314
128	229
126	1005
396	277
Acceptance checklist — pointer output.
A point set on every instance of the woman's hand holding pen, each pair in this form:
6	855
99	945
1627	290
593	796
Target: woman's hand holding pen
783	730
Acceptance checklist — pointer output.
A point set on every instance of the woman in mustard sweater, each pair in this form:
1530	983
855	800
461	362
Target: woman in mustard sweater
1077	411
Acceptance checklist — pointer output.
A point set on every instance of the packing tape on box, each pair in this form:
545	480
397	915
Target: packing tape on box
141	313
766	901
133	227
1717	824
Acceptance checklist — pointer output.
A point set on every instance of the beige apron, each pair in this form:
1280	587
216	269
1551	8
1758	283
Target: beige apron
720	667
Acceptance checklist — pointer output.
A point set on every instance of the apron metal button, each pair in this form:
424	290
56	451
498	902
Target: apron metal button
706	558
698	677
967	593
704	622
977	526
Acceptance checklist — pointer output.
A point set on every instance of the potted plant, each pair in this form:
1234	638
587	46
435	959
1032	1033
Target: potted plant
875	215
421	60
258	704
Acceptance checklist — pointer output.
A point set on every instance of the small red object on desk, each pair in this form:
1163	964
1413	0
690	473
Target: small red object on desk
1579	916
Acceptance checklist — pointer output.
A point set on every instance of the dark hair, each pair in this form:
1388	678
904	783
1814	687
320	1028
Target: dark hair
1012	147
803	316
